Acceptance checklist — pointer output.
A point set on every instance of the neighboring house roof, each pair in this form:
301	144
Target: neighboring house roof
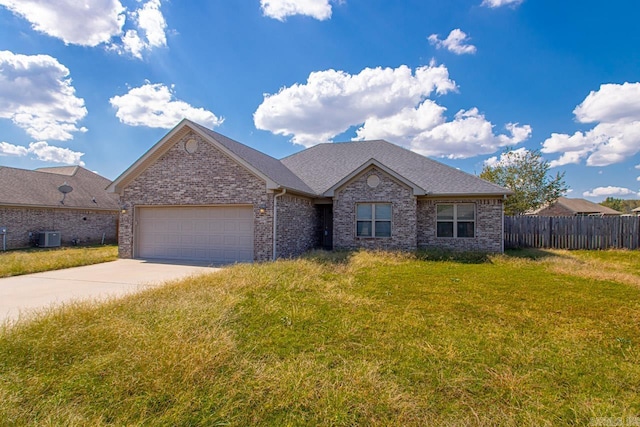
40	188
325	165
317	171
636	210
581	207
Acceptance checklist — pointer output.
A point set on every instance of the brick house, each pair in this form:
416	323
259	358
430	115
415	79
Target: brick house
31	202
198	195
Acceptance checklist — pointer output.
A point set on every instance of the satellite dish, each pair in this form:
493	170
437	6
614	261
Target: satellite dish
65	189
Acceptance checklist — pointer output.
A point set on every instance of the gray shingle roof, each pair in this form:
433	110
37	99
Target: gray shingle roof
269	166
39	188
324	165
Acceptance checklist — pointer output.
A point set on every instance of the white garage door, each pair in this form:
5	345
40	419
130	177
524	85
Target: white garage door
217	234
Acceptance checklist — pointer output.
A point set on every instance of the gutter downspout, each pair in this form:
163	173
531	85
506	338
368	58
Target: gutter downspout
275	220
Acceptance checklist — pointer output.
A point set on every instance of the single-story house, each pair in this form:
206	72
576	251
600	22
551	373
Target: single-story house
565	206
636	211
198	195
69	200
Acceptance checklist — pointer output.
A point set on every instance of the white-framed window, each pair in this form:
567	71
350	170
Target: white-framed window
456	220
373	219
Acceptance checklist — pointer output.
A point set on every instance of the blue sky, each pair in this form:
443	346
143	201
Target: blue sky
99	84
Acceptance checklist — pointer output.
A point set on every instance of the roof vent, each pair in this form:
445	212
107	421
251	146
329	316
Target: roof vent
64	189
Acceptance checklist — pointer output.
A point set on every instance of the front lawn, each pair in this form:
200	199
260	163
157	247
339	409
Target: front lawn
342	339
14	263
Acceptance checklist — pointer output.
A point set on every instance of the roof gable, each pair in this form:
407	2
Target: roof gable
269	169
417	190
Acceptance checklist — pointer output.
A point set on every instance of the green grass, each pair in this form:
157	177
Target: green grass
360	338
14	263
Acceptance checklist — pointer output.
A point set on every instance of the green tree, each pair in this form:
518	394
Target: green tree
613	203
525	173
621	205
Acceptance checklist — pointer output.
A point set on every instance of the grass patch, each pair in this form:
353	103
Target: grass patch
365	338
14	263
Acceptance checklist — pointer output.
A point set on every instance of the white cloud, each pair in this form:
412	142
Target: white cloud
612	103
49	153
610	191
332	101
43	151
151	22
133	44
457	42
96	22
506	159
616	136
499	3
426	131
281	9
85	23
7	149
154	105
385	103
37	95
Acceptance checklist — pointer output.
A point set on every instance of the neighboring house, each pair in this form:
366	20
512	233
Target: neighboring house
565	206
199	195
31	202
636	211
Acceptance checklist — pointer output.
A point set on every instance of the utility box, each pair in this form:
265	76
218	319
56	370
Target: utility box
49	239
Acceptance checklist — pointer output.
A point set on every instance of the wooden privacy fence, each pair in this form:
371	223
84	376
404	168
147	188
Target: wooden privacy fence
572	232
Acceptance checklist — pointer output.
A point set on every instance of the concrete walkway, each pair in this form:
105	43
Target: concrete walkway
21	295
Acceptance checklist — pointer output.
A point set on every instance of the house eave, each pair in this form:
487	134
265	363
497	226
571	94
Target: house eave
162	146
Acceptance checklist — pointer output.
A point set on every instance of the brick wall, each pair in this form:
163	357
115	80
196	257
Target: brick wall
205	177
403	221
84	225
489	232
297	226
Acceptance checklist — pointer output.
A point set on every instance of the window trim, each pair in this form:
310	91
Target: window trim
373	220
455	221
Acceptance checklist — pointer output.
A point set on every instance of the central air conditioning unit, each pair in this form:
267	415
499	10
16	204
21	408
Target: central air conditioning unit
49	239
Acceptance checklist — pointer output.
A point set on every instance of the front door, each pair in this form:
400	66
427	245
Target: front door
325	215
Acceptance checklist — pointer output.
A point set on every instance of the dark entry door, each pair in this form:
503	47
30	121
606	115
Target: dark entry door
326	227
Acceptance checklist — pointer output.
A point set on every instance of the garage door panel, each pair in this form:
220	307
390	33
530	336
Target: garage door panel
216	234
245	227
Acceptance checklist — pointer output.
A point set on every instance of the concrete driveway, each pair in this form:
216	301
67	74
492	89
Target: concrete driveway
21	295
